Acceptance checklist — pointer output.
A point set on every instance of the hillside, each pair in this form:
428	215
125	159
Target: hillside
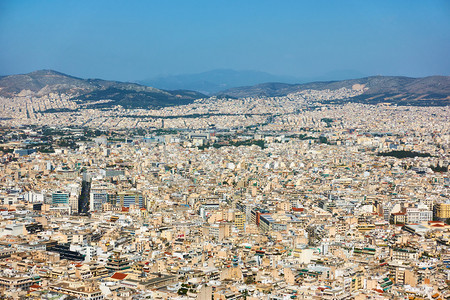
427	91
131	95
433	90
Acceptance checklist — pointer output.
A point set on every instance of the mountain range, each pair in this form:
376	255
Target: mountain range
130	95
433	90
214	81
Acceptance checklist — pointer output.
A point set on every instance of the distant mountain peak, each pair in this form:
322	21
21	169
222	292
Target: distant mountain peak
47	72
41	82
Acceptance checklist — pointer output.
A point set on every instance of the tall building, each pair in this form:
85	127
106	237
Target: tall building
112	198
131	198
442	211
239	220
73	203
60	198
97	197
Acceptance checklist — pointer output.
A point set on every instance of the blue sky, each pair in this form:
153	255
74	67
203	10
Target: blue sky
132	40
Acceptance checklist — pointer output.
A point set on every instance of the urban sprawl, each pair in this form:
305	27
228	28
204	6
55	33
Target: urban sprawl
294	197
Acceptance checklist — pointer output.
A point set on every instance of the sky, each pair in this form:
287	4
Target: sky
133	40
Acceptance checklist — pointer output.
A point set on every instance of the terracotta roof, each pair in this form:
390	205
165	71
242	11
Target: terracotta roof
119	276
35	286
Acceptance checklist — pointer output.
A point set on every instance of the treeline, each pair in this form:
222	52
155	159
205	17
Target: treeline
259	143
439	169
404	154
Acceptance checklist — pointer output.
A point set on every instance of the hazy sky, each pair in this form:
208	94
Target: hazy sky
132	40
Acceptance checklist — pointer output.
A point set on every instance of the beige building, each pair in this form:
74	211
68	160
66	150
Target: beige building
442	210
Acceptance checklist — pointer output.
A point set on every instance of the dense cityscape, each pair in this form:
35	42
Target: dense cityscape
256	198
224	150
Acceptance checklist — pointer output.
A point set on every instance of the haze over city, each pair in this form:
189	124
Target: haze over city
138	40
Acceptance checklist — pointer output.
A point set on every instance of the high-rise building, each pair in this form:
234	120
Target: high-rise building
239	220
131	198
60	198
73	203
112	198
442	211
97	197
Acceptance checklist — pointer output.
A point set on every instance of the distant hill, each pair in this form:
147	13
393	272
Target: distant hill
130	95
427	91
214	81
433	90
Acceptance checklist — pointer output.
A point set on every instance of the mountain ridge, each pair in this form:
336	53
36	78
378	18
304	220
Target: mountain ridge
402	90
127	94
409	90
